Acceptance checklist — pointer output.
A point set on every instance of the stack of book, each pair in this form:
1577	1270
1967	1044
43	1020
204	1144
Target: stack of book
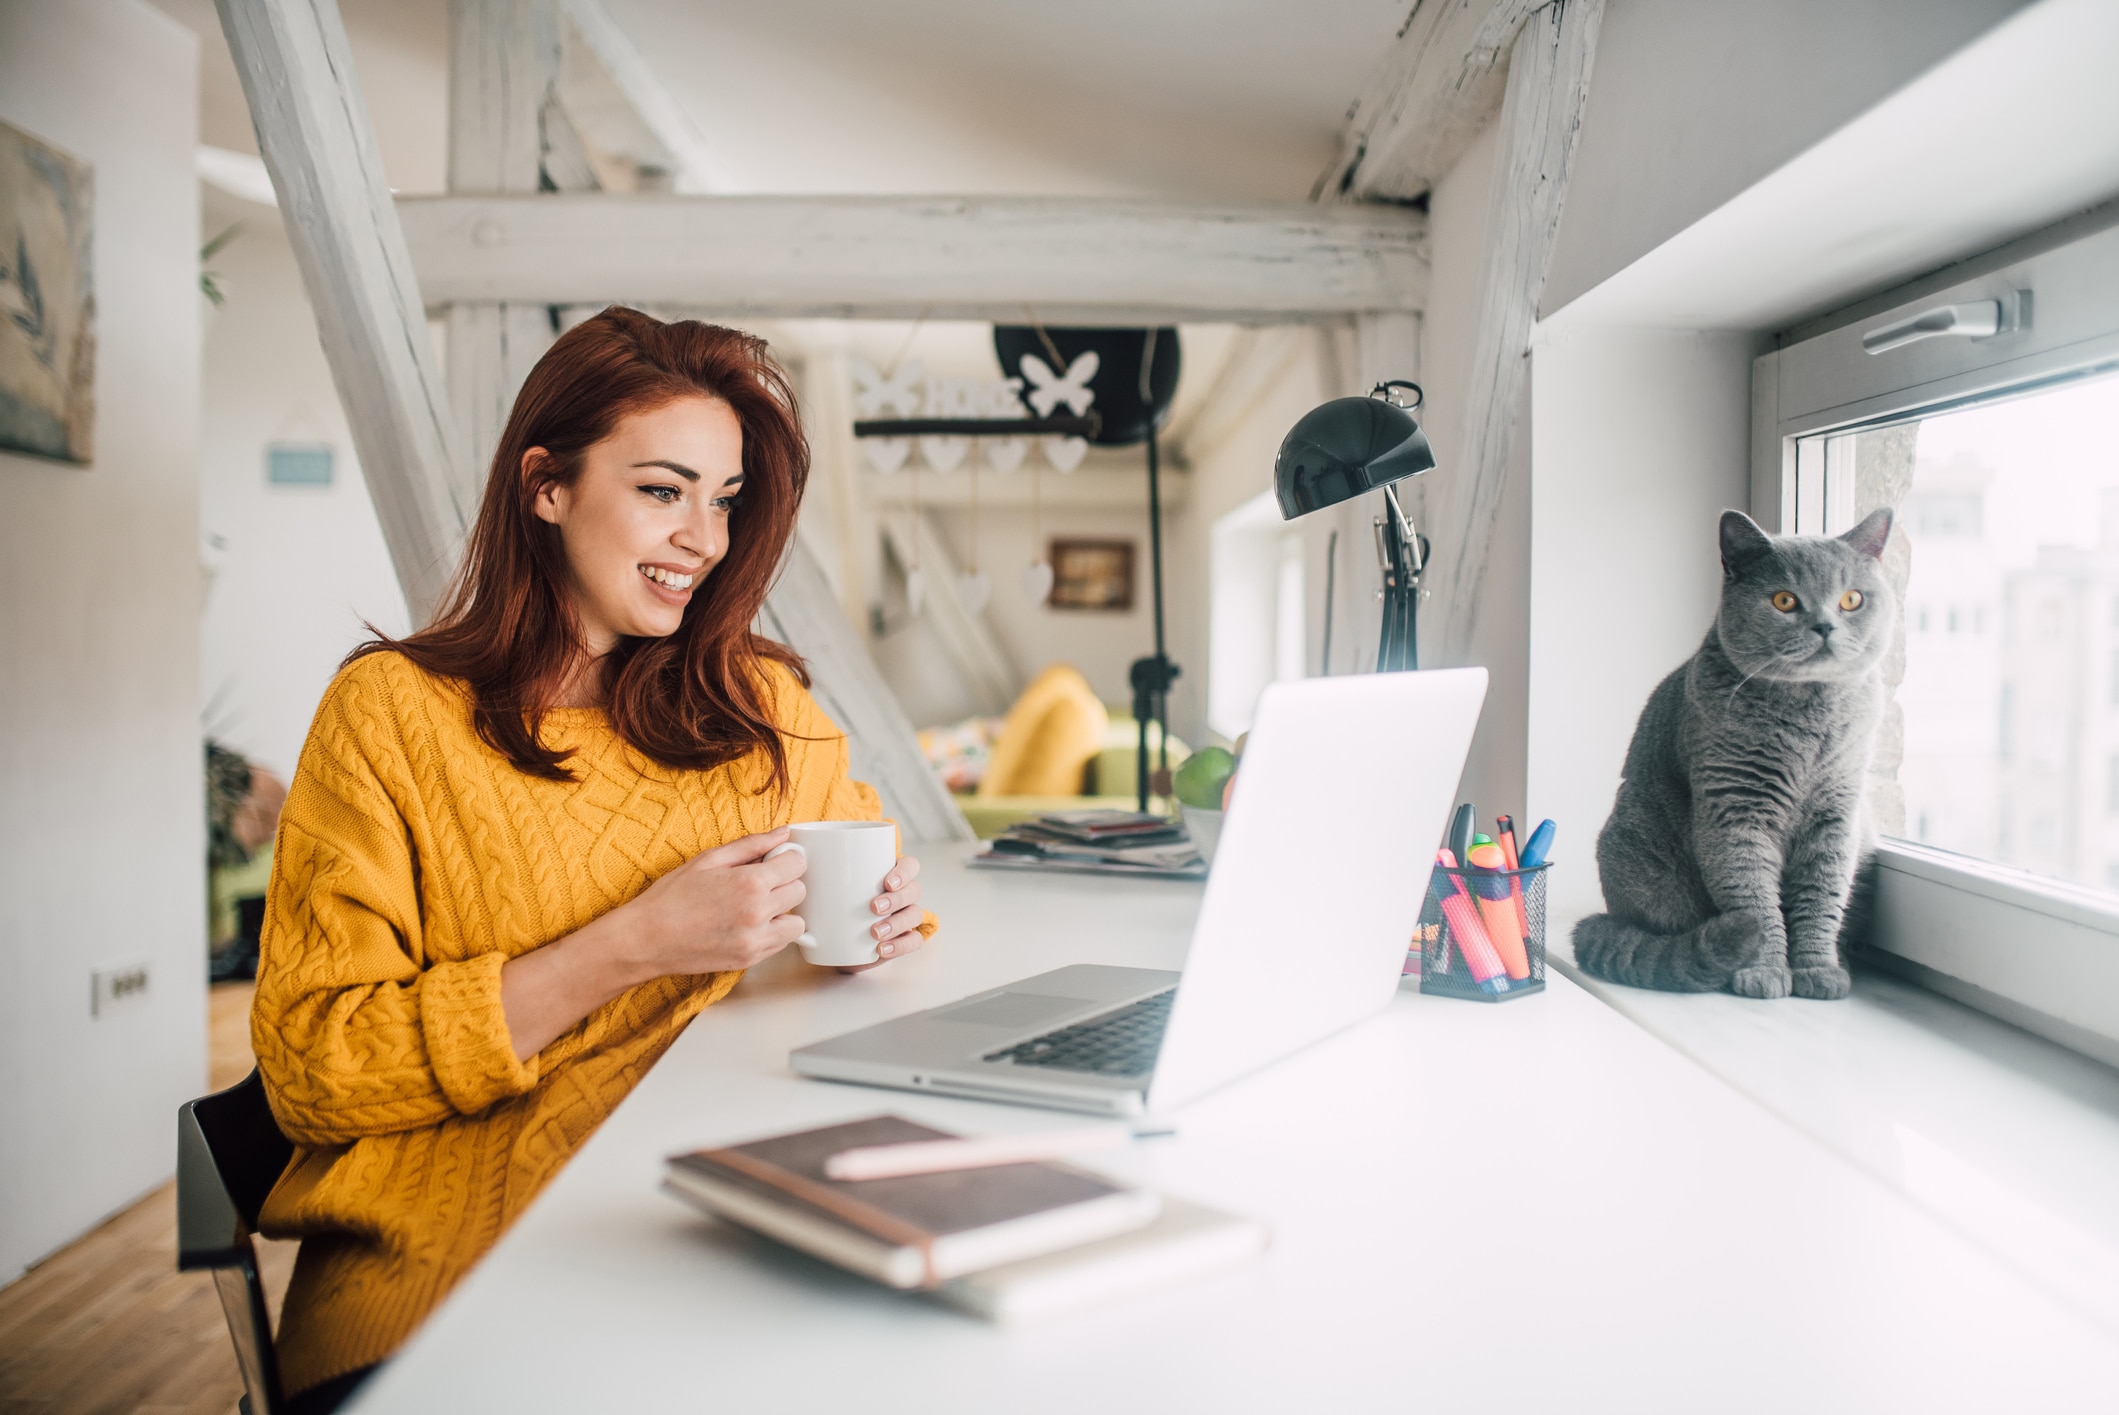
1096	842
1007	1242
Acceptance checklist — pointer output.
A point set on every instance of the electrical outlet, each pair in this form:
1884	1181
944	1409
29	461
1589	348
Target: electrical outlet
117	985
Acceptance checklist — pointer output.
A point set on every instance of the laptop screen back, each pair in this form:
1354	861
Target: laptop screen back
1345	790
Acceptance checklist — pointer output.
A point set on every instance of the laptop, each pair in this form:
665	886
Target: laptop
1316	889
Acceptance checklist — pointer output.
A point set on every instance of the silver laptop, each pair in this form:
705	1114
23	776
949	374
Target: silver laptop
1316	889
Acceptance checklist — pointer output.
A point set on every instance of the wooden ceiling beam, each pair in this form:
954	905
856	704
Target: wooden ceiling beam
1440	85
1071	260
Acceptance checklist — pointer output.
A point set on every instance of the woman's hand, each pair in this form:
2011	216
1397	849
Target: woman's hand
897	931
723	909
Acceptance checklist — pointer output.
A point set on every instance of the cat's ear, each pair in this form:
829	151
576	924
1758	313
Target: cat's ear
1870	535
1741	540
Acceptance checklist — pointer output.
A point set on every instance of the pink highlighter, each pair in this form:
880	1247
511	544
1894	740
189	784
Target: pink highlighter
1463	918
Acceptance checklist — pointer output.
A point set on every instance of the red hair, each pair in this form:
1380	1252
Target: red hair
507	630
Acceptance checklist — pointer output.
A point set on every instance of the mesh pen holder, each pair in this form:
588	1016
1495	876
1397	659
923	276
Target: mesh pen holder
1481	928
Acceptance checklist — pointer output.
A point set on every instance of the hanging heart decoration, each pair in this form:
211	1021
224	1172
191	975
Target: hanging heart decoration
973	590
915	590
1004	400
1037	581
949	398
886	454
1064	454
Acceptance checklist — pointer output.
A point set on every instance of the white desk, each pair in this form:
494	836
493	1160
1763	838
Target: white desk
1533	1206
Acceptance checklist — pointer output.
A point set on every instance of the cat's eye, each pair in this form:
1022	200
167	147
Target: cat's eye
1851	601
1784	601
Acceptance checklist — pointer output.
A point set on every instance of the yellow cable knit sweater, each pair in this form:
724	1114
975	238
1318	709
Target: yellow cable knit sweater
412	862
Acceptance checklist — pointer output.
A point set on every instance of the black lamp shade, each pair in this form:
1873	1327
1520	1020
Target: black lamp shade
1347	448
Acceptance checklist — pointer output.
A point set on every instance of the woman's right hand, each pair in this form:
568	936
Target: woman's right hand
723	909
718	911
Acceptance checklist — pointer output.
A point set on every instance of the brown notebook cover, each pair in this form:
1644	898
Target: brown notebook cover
911	1211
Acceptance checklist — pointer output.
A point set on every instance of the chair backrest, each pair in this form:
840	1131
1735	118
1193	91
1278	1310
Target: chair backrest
230	1153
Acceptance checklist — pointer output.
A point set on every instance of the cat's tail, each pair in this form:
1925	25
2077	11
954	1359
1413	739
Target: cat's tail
1702	959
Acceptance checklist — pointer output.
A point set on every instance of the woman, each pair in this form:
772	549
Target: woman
526	845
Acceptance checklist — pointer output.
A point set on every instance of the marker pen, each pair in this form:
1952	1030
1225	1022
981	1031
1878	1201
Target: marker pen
1505	837
1498	910
1538	846
1485	964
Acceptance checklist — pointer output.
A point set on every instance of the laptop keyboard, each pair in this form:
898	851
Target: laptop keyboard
1121	1043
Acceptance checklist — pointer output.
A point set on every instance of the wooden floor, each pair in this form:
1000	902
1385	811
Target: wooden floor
109	1324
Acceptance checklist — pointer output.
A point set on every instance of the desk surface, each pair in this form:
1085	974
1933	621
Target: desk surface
1531	1206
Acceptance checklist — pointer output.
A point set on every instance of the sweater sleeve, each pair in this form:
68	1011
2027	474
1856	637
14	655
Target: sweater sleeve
357	1031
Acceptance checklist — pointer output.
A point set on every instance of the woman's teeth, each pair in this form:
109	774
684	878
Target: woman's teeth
667	577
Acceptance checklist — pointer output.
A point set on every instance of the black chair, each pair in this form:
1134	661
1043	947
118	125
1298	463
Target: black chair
230	1153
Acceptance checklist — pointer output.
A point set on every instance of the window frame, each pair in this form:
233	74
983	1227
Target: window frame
2041	953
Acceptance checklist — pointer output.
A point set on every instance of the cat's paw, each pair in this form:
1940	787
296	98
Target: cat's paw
1828	982
1766	980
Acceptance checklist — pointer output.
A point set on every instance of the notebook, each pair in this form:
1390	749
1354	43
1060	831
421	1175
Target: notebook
912	1231
1185	1241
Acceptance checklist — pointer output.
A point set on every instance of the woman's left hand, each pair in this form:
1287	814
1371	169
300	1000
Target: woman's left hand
897	929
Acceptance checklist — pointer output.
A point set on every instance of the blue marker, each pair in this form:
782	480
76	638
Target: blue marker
1538	846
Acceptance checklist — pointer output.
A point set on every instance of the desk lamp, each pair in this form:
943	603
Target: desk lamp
1348	448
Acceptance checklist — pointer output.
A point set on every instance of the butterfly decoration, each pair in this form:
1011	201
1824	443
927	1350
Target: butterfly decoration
1049	390
876	395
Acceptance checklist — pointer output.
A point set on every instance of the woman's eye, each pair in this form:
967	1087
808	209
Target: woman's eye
664	494
1784	602
1851	600
726	503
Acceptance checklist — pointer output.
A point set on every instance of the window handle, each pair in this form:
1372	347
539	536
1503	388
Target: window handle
1979	319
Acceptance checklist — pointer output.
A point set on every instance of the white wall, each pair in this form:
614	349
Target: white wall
1693	101
102	837
1640	439
296	569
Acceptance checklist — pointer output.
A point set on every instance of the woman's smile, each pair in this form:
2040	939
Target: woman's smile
672	584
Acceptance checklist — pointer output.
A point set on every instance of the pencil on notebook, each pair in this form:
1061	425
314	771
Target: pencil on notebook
978	1152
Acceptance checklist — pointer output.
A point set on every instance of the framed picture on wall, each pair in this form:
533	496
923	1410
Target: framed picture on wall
47	296
1092	574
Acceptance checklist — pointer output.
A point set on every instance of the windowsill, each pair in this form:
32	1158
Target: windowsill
2009	1138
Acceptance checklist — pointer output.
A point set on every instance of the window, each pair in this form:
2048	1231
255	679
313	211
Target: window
1997	879
1256	618
2000	502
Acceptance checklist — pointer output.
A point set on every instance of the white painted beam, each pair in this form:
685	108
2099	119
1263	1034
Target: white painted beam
313	130
1439	86
503	62
694	166
1070	260
881	744
1548	83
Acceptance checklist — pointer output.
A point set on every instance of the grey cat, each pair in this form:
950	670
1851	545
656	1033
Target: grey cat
1731	853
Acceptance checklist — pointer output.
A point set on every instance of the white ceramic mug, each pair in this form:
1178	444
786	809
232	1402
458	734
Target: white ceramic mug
848	861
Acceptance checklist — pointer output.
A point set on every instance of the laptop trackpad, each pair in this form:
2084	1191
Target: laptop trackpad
1013	1009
